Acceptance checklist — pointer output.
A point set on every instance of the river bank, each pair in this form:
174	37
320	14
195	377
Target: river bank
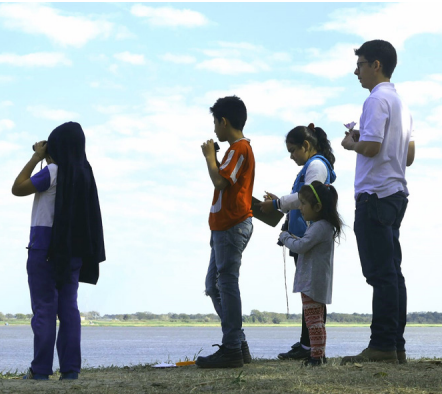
259	377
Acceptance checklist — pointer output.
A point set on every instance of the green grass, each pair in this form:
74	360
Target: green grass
259	377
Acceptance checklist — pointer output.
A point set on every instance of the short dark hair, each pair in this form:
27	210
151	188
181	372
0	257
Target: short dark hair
382	51
233	109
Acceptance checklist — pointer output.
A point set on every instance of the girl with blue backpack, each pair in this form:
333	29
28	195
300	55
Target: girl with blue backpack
310	148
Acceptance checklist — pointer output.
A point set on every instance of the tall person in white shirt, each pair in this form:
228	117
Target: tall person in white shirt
385	147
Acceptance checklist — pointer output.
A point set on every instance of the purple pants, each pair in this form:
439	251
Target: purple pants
48	302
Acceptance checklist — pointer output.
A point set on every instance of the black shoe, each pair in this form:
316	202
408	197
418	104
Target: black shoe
35	376
223	358
69	375
315	362
247	358
296	353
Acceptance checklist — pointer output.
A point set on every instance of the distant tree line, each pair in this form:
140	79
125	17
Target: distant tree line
255	316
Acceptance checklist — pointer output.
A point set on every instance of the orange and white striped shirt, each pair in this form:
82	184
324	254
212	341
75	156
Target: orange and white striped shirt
233	205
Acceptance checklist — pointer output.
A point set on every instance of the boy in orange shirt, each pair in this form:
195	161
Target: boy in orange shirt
231	227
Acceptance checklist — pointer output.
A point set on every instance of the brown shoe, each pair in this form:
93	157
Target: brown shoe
402	357
370	354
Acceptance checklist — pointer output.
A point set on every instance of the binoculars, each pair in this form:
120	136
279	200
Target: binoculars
33	148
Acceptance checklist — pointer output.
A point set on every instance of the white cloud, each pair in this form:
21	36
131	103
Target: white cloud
169	17
8	147
232	66
178	59
132	58
436	77
429	153
420	92
40	111
6	124
63	30
6	103
222	52
241	45
232	58
110	109
284	99
436	117
38	59
113	68
234	50
336	62
393	22
344	113
281	57
105	84
6	78
123	33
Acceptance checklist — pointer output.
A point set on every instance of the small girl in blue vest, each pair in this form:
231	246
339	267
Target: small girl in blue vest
65	246
308	147
314	272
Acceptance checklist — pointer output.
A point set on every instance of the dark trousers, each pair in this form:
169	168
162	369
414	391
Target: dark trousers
377	223
48	302
305	337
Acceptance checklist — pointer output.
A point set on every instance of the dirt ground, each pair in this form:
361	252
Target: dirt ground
261	376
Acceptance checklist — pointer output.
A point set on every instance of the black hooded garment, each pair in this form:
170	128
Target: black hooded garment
77	230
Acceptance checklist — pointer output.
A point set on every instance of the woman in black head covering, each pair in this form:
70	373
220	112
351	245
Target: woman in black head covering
66	245
77	229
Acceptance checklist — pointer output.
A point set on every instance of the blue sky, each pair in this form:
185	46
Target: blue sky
140	78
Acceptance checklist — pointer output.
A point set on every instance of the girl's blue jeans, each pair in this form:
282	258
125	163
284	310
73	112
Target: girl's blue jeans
48	303
222	279
377	223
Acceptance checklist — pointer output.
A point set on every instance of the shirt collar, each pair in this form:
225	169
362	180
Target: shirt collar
382	85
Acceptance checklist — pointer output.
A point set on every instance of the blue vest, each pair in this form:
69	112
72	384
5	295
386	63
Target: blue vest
297	224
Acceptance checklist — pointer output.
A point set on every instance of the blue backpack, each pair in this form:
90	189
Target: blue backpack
297	224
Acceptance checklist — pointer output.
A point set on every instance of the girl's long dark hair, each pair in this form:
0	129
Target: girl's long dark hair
329	200
317	138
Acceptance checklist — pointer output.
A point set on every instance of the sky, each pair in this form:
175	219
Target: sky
140	78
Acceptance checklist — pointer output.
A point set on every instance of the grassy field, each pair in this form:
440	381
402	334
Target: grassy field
259	377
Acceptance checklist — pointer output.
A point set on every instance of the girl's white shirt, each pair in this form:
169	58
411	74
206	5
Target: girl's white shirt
316	171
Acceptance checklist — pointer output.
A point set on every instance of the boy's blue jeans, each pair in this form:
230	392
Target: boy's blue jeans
222	279
377	223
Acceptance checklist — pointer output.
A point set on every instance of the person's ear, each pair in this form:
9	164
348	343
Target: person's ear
306	145
317	208
377	65
224	122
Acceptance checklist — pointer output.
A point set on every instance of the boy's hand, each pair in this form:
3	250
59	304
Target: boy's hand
40	150
208	149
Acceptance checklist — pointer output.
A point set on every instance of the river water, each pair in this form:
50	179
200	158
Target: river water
121	346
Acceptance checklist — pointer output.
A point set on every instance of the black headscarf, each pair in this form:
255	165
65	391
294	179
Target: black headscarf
77	230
